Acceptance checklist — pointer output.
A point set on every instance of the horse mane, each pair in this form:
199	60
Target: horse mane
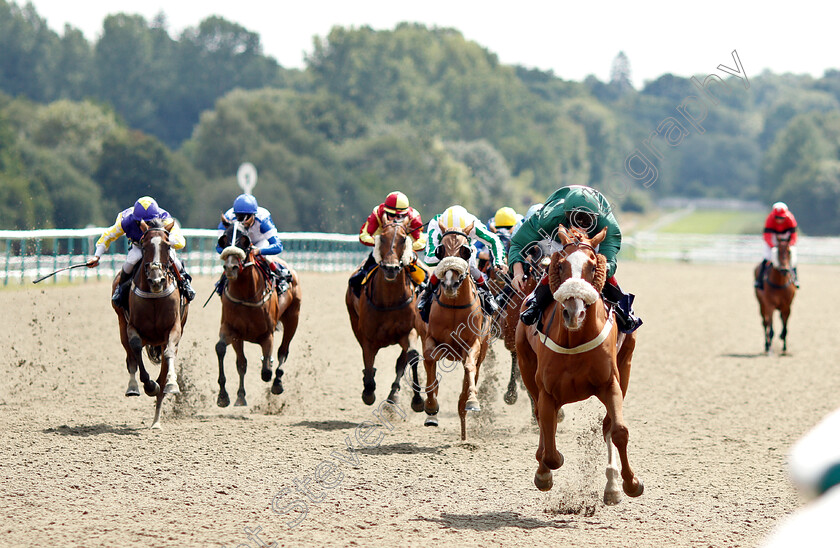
157	222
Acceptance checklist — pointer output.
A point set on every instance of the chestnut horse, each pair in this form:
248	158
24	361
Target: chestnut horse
574	357
777	292
384	314
155	317
458	330
252	311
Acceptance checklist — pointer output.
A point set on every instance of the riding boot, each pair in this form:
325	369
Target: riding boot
284	277
488	302
623	307
358	277
795	278
220	285
424	304
503	298
536	304
184	285
117	297
759	279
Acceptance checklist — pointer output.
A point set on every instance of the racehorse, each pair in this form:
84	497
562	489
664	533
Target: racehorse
155	317
537	262
457	330
252	311
777	292
574	356
384	314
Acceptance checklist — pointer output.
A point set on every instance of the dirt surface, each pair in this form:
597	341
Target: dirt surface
711	419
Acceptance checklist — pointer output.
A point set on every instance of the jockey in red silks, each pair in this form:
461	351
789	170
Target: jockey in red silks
128	225
779	223
394	209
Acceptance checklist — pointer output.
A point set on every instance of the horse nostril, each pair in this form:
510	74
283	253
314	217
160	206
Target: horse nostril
566	315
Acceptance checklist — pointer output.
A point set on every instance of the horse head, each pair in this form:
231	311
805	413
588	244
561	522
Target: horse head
392	249
236	245
577	274
454	252
155	247
781	254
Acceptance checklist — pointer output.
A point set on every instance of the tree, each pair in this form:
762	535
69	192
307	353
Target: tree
620	76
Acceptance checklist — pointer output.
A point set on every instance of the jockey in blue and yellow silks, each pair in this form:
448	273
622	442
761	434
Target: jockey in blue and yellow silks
128	225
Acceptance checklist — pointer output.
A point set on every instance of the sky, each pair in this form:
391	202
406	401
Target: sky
573	40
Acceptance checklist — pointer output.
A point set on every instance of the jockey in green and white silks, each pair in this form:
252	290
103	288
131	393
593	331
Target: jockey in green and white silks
458	218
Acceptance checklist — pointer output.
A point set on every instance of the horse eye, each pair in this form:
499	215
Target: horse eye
439	252
465	252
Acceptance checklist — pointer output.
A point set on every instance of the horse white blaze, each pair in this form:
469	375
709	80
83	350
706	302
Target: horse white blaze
155	241
575	293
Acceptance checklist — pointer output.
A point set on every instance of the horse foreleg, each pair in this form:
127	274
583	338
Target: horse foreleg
150	387
168	376
221	348
547	454
431	405
241	368
158	405
413	358
617	434
368	373
785	313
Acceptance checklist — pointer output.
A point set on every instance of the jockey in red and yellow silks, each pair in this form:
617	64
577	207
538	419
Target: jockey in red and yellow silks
395	208
779	223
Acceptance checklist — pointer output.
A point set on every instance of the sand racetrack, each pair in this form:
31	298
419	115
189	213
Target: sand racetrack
711	419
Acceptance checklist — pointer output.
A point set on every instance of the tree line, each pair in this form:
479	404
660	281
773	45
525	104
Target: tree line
83	125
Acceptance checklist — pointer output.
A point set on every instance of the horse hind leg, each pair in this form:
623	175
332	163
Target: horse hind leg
158	405
133	388
168	377
402	361
241	368
290	322
150	387
617	435
221	348
511	395
612	491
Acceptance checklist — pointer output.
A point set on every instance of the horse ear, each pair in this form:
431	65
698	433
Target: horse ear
169	224
225	221
469	228
143	226
596	241
563	234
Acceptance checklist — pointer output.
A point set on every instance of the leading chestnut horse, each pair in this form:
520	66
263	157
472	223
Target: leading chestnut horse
458	330
575	357
252	311
777	292
155	317
384	314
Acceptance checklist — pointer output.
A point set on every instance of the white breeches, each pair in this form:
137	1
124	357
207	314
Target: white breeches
135	254
771	257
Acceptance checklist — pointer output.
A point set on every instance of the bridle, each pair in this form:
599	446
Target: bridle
369	287
162	265
242	265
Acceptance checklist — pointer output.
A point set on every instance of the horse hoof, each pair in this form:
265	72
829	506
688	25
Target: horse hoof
472	405
277	387
417	403
511	397
611	498
223	400
431	421
151	388
132	392
431	410
171	388
368	397
266	375
554	462
393	398
155	425
544	482
640	488
240	402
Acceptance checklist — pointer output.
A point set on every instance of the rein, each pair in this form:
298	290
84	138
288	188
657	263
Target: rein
455	306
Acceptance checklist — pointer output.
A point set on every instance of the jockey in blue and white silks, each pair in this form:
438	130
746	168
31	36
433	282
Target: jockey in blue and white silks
261	231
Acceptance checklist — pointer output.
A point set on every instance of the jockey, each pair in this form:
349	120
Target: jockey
502	225
578	207
458	218
128	224
780	222
263	235
528	214
395	208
